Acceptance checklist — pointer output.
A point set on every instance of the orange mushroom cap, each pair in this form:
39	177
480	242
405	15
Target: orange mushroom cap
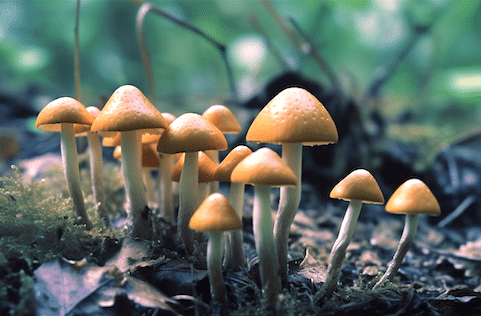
112	141
358	185
413	197
206	168
293	116
150	156
263	167
191	132
63	110
222	118
236	155
215	214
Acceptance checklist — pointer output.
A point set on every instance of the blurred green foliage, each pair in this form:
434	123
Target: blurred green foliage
358	38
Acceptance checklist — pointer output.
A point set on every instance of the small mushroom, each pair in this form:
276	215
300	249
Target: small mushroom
412	198
215	216
358	187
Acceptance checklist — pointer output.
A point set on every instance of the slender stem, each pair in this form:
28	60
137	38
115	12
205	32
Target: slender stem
266	249
235	254
96	174
409	231
149	185
214	266
144	9
188	197
139	217
166	189
76	54
290	198
68	148
338	251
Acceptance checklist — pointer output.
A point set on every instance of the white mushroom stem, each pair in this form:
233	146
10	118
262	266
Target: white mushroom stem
288	203
235	254
138	217
410	227
149	185
213	185
68	149
214	266
266	249
188	197
338	251
96	174
166	192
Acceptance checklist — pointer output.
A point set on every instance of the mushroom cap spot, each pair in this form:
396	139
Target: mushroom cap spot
293	116
206	168
358	185
413	197
112	141
263	167
215	214
236	155
191	132
63	110
128	109
222	118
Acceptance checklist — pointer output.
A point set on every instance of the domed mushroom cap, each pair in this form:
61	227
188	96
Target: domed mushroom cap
81	130
215	214
222	118
263	167
128	109
413	197
191	132
293	116
206	168
112	141
358	185
150	157
63	110
236	155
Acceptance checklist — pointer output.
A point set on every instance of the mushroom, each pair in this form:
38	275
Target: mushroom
222	118
215	215
60	115
264	169
357	187
293	118
150	161
129	112
235	254
412	198
189	133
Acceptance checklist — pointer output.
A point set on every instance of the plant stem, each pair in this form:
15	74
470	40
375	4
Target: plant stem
235	254
214	266
96	170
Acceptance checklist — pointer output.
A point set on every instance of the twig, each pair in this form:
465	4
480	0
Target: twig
457	212
76	54
143	10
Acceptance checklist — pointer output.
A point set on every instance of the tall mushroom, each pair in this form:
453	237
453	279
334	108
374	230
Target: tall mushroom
60	115
215	215
357	187
265	169
189	133
412	198
293	118
129	112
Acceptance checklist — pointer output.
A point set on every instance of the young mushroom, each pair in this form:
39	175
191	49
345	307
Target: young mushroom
293	118
215	216
358	187
412	198
265	169
61	115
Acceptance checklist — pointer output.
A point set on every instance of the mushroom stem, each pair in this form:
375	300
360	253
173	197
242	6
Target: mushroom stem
213	185
188	197
235	254
96	173
407	237
214	266
139	217
149	185
266	248
166	191
68	149
288	203
338	251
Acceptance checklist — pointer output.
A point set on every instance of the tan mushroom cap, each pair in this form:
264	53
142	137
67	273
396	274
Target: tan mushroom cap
206	168
128	109
81	130
112	141
413	197
150	157
215	214
236	155
358	185
293	116
222	118
263	167
117	153
191	132
63	110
